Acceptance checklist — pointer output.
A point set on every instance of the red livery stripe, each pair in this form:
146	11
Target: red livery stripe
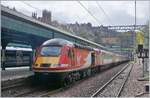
57	68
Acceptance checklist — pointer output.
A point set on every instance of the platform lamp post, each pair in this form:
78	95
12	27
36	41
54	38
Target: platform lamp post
133	35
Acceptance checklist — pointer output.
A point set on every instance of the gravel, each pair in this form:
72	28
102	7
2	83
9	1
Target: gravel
89	85
112	89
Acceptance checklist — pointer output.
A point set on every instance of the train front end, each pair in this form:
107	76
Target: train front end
52	56
47	58
51	60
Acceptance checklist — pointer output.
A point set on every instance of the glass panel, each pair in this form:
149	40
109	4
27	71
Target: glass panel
50	51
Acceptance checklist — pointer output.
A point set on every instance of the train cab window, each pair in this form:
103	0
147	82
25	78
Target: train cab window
50	51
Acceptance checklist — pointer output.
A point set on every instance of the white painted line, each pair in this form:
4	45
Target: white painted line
14	68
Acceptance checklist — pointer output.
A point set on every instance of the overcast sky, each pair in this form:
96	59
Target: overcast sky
118	12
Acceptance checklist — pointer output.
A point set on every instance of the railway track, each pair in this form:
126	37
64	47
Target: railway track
39	91
115	85
23	88
11	87
53	92
20	89
43	91
48	93
11	84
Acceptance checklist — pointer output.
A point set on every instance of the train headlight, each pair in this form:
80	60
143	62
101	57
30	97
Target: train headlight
55	65
59	65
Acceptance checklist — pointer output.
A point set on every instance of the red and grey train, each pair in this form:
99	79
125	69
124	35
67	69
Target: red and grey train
65	61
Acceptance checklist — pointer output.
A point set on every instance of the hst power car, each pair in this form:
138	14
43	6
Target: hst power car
62	60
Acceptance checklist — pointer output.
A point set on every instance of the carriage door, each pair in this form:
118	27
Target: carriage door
71	56
93	58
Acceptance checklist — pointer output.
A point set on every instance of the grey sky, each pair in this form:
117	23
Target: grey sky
119	12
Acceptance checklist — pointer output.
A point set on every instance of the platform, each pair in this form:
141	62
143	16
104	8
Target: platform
135	85
15	73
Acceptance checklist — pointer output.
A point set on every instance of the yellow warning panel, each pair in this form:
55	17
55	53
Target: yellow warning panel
139	37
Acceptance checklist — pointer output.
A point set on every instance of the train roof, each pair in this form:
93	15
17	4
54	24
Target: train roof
57	41
62	42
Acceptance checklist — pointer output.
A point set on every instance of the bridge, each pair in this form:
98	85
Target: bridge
21	29
18	28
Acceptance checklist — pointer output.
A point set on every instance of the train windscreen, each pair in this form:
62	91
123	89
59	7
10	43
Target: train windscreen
50	51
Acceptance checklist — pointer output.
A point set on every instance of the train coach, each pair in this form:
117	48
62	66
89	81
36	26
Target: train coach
64	61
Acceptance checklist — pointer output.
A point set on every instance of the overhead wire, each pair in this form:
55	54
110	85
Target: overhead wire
30	5
90	13
77	1
35	7
98	21
100	7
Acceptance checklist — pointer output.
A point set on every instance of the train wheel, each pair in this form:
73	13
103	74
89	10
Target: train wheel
68	80
89	72
65	82
99	69
36	79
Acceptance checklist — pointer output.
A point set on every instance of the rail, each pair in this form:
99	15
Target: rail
113	78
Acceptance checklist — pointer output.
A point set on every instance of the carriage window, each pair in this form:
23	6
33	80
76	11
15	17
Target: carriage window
50	51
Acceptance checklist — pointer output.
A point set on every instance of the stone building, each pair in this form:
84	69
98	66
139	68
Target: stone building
46	16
